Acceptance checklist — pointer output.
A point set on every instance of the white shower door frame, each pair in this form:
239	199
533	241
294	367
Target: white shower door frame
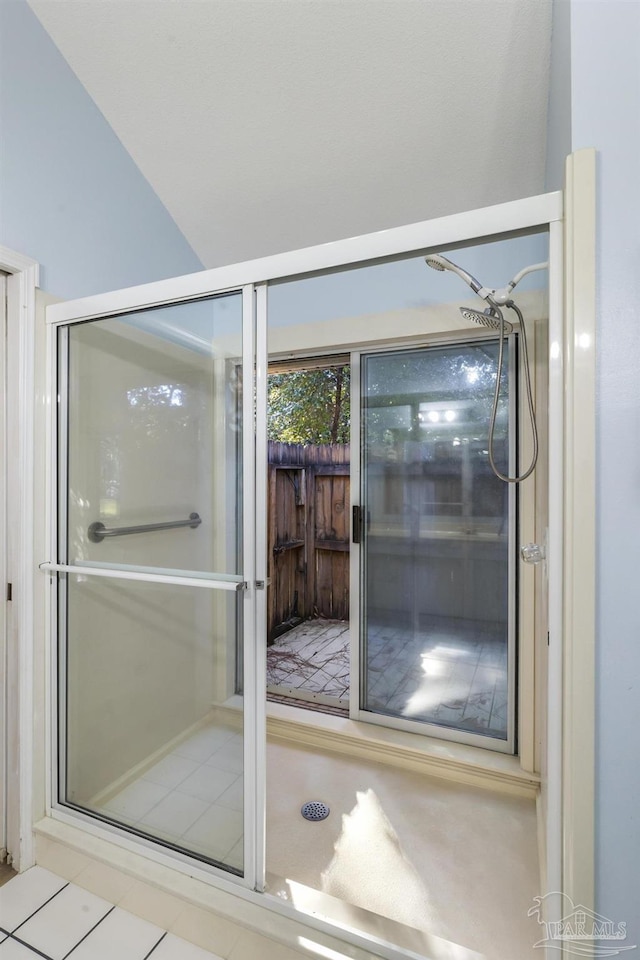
245	583
542	212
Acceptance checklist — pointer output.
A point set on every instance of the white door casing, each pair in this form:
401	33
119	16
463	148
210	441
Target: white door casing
3	574
18	475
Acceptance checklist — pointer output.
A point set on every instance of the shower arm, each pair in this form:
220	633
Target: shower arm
499	297
503	295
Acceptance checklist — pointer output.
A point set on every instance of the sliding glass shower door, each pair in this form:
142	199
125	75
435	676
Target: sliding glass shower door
155	503
437	630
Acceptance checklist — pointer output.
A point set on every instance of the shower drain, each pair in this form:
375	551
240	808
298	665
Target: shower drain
315	810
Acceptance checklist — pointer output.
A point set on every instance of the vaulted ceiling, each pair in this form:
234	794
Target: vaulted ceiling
266	125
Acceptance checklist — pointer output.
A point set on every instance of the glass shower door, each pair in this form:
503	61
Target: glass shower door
155	587
437	584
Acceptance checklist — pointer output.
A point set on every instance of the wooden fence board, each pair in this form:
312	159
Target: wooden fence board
308	533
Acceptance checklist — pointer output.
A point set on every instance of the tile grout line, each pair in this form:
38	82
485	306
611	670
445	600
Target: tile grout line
199	763
174	789
89	932
177	841
141	823
153	948
29	947
40	907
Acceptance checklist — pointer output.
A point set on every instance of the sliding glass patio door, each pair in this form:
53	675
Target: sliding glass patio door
156	576
435	644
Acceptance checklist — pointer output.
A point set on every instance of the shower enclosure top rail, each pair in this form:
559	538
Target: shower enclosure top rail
97	530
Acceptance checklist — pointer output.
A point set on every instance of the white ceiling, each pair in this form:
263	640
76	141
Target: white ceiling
266	125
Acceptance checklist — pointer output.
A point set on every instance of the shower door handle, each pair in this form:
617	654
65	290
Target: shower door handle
356	524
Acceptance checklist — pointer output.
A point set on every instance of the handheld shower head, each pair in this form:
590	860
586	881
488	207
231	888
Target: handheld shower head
437	262
490	318
493	318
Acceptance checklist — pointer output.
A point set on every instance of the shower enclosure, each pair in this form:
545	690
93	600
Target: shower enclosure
157	540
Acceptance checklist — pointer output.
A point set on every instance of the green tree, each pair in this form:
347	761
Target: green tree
310	406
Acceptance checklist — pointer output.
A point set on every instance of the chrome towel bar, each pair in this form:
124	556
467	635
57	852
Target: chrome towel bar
97	530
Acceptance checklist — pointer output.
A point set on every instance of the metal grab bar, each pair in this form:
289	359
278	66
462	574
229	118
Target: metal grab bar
97	530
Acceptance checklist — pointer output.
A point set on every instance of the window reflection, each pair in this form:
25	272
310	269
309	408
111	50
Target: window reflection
426	436
160	395
436	560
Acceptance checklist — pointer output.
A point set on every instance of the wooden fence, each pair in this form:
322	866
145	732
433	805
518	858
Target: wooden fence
308	534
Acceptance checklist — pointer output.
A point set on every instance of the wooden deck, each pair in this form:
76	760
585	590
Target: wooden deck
451	672
311	663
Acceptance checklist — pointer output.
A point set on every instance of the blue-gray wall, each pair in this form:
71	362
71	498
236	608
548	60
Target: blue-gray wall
559	115
71	197
606	114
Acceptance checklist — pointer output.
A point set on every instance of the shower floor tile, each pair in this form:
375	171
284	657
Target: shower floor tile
171	771
202	812
136	800
216	832
175	814
207	784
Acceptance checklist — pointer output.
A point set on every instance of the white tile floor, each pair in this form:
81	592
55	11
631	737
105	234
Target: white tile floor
192	798
41	915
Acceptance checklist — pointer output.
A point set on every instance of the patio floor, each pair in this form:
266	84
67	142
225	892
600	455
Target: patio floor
451	672
311	662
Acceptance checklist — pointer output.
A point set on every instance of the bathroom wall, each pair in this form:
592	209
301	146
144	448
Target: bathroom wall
71	197
559	112
605	48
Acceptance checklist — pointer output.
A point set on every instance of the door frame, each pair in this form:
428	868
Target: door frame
5	612
569	801
21	395
574	604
